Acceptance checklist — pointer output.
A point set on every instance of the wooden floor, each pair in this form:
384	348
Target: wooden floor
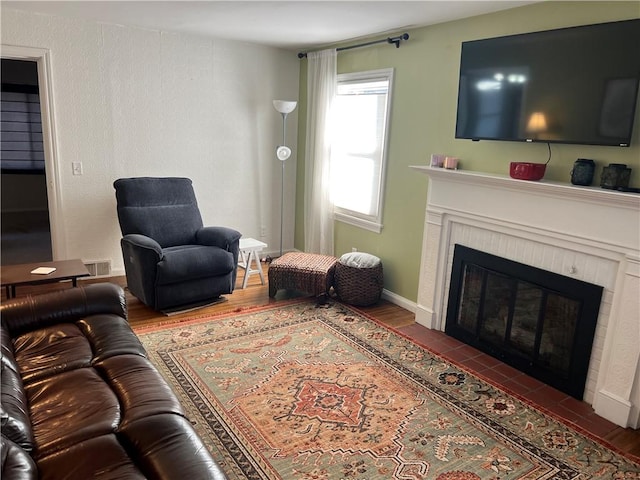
554	402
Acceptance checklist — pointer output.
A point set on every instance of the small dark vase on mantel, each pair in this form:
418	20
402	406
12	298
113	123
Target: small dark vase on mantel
614	176
582	173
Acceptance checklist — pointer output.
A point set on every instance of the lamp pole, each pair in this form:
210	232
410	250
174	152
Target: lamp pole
283	153
284	129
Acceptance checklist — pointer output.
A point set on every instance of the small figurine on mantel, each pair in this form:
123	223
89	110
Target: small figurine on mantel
437	159
451	163
615	176
440	160
582	173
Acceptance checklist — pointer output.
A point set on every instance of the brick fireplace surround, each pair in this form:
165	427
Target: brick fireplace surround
587	233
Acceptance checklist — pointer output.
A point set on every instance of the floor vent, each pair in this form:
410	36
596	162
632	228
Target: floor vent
99	268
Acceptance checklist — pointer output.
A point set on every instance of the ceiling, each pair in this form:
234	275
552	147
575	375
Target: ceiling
284	24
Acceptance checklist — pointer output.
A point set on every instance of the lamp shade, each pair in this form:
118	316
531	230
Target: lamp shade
284	106
537	122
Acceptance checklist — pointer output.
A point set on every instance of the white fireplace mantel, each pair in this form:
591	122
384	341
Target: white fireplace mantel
587	233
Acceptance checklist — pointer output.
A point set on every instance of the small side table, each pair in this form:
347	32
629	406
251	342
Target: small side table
249	250
16	275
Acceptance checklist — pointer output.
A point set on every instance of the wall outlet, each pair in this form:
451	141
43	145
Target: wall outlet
263	231
76	168
354	249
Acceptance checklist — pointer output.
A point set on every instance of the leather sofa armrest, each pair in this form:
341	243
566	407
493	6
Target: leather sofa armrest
15	463
222	237
24	314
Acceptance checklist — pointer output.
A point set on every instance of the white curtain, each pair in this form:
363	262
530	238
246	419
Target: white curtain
318	208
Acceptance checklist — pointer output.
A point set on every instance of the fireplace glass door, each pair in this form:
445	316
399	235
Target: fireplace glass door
537	321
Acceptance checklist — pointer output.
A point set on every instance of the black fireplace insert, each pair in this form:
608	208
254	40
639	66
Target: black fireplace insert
537	321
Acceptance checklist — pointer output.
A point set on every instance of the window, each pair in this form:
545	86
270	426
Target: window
358	147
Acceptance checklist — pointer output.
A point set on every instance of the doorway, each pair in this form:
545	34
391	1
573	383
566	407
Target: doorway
25	225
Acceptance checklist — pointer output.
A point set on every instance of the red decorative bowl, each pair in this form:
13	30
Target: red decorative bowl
527	171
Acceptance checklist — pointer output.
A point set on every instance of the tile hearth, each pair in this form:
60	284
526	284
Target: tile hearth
554	402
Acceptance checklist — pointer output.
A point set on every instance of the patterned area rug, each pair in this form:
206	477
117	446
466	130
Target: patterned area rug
296	391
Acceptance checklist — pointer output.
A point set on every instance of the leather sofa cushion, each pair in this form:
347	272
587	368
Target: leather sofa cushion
165	437
60	420
16	462
67	346
140	388
51	350
110	336
161	446
109	460
190	262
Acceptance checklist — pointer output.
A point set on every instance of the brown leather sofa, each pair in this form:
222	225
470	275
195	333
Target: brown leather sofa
81	401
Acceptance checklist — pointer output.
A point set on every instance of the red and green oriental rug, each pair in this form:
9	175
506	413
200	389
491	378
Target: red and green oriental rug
296	391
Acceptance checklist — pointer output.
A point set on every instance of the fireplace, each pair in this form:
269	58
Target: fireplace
537	321
586	234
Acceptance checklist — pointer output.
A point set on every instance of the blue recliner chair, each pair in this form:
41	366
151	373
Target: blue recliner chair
171	260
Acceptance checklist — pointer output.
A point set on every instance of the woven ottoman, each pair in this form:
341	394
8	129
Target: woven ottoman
306	272
358	279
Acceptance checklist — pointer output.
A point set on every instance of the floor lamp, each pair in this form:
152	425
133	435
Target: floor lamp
283	152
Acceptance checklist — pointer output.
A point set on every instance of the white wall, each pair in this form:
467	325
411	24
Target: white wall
134	102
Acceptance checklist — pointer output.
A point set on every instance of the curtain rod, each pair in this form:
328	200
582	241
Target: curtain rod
395	40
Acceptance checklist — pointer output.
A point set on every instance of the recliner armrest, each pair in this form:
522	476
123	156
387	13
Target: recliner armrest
141	256
222	237
142	241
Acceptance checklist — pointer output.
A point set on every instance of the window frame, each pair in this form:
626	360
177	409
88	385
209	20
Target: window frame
351	217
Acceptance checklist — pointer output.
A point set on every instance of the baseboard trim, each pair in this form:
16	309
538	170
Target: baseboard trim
425	317
398	300
614	408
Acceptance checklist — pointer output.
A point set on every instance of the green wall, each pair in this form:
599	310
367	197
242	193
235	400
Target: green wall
423	122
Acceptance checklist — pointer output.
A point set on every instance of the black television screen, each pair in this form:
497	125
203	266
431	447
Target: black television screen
571	85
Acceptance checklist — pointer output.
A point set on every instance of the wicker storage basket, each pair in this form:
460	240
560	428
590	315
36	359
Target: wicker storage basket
306	272
358	279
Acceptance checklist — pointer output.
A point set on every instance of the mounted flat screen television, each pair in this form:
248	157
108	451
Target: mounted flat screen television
572	85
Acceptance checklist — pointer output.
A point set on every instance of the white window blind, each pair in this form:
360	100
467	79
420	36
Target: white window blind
21	130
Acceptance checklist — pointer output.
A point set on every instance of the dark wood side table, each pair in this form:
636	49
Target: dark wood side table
15	275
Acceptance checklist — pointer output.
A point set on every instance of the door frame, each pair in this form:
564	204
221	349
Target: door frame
42	57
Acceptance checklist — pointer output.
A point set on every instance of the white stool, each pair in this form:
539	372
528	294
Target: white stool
249	250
